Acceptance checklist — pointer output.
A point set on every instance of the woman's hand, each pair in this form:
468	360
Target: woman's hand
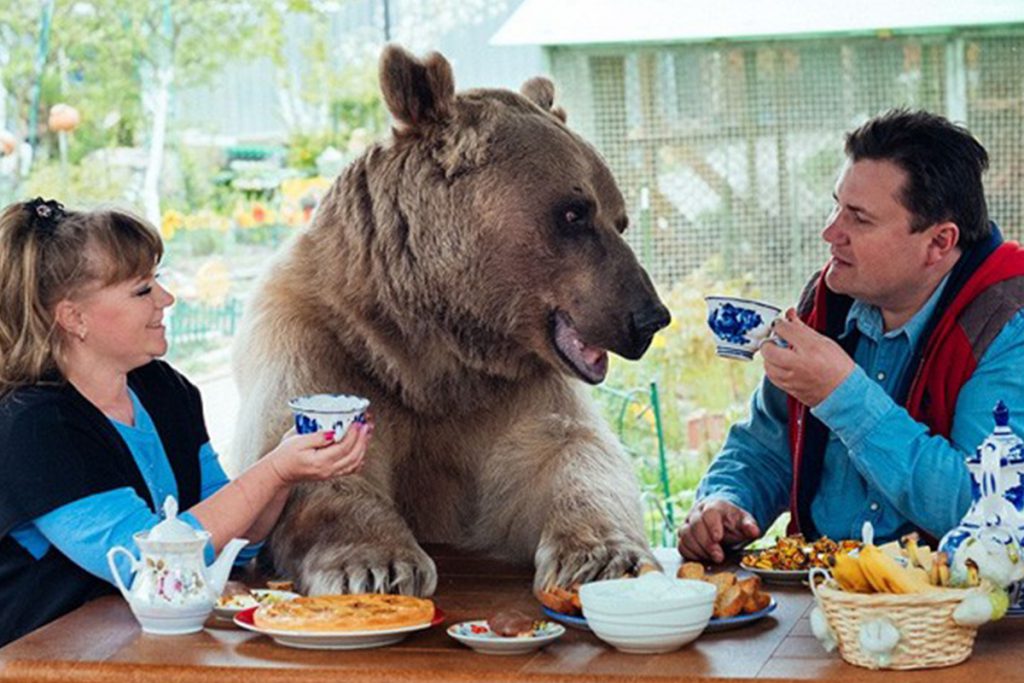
314	457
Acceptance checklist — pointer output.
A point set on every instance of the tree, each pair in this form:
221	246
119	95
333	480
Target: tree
119	62
326	63
178	44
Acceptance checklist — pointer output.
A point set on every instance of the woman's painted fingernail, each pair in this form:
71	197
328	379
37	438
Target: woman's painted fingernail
329	435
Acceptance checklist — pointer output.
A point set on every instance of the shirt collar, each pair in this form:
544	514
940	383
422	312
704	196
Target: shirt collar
868	319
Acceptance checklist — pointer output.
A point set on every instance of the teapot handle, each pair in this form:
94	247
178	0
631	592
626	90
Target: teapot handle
111	554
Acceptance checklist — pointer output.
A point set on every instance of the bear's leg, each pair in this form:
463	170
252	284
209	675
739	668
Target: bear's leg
595	526
558	487
344	536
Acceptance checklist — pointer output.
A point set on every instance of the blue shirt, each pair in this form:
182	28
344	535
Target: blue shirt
880	464
86	529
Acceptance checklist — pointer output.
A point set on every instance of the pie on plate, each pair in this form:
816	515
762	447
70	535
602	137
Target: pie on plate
345	613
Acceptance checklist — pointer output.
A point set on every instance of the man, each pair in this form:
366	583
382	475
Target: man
886	375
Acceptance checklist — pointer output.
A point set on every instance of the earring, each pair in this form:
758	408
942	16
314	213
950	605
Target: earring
81	335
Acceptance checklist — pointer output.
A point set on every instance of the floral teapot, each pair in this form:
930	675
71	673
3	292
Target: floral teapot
173	590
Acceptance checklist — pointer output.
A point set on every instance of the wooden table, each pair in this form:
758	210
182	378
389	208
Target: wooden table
102	642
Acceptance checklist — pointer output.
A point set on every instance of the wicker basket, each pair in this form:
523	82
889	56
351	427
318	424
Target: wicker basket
928	636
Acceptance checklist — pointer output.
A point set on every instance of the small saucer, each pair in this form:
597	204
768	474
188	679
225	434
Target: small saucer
257	597
478	635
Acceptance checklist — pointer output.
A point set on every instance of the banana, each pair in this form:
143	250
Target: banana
874	570
919	574
847	572
939	575
910	546
887	576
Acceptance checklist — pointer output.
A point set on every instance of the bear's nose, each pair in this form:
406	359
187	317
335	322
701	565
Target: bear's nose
650	319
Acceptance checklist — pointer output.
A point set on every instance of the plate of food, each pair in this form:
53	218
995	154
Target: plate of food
791	559
742	619
739	600
506	633
715	624
341	622
238	597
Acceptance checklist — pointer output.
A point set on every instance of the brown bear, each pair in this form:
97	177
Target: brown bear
464	276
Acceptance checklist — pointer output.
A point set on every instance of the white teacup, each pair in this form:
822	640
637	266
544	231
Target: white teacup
739	325
323	412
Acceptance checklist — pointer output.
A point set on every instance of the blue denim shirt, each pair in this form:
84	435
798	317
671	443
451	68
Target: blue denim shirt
880	464
85	529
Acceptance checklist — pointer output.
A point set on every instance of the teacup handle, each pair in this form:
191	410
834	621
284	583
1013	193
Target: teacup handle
111	554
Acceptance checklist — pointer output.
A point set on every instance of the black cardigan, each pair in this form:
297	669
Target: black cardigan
55	448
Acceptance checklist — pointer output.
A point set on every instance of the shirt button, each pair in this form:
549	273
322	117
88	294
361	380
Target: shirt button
880	376
874	507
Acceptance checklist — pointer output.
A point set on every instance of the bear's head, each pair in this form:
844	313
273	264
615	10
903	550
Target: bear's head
504	227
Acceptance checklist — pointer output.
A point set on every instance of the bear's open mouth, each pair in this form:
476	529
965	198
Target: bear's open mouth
589	362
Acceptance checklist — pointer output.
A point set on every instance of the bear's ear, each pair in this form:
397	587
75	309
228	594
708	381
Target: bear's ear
416	92
541	91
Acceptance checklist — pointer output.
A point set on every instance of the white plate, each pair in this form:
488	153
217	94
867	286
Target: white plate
333	640
260	596
477	635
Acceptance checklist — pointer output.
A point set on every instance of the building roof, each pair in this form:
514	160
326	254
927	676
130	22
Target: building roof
578	22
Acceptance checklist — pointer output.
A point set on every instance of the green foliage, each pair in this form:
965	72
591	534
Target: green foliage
351	95
304	148
682	357
103	54
79	185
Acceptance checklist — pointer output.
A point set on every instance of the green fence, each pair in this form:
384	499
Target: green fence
635	415
193	322
731	149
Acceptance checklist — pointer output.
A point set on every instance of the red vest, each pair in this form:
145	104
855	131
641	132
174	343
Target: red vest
975	313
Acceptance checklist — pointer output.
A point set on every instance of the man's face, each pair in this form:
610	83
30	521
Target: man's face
875	256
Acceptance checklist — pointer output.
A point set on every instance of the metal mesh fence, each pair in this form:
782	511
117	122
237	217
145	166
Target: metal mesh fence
731	150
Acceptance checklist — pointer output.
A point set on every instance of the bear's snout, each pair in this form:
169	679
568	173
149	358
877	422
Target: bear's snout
643	324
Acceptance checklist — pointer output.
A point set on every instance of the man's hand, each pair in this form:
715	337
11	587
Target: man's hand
811	367
712	523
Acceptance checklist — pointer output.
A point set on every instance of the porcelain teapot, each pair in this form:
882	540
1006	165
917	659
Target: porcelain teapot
173	590
990	535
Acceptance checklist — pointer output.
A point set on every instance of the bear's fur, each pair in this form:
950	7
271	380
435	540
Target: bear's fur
464	275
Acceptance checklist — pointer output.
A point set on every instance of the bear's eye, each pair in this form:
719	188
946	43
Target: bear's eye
574	215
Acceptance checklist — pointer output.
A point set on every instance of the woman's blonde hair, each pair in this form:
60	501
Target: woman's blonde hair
48	254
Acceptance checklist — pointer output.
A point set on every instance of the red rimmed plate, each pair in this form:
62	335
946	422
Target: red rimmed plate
334	640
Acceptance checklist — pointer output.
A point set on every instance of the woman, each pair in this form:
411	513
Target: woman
94	431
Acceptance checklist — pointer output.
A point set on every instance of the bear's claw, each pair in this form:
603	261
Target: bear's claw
569	564
373	569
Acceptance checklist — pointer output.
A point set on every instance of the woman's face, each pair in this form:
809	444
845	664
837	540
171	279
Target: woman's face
122	323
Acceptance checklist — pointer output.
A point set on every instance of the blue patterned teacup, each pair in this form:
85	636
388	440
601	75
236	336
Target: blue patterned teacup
739	325
323	412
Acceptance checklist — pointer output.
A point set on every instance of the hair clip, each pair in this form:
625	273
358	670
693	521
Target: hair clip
44	214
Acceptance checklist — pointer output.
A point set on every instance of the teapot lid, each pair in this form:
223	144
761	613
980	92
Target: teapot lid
172	528
1001	414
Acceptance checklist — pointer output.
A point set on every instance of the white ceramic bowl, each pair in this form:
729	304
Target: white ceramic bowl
651	614
322	412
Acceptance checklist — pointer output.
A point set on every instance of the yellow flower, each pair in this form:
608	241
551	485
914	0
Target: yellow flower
213	282
170	224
